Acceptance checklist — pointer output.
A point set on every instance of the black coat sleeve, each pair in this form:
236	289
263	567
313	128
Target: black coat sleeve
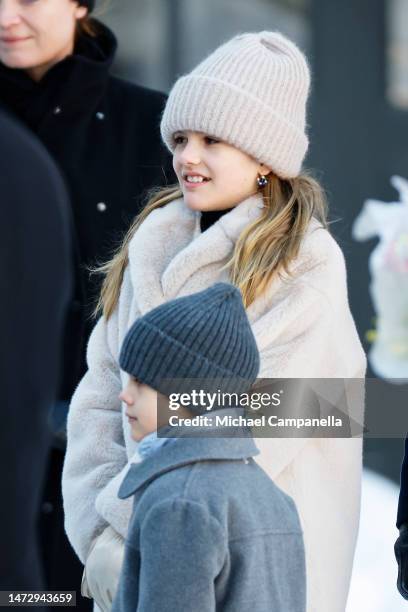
402	516
35	277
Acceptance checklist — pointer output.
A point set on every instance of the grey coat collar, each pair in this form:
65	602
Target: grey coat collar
183	451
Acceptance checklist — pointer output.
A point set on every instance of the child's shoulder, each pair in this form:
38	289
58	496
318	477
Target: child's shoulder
319	244
319	257
234	493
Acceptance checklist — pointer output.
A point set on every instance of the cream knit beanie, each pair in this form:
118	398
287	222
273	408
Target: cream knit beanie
251	92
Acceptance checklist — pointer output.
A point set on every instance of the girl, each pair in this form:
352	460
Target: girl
242	212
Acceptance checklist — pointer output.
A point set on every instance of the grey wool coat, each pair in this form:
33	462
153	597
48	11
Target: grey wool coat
210	531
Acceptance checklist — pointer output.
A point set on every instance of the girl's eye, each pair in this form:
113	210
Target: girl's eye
210	140
178	139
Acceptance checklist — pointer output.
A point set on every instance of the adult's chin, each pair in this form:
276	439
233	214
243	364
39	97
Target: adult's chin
15	60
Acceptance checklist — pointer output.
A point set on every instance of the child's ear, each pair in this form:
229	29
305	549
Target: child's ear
264	170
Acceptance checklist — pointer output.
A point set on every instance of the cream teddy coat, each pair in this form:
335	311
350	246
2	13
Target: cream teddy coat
303	328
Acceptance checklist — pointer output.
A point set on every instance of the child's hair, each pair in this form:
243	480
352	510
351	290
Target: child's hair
265	248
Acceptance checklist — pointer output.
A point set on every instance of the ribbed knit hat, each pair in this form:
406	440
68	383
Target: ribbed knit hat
204	336
251	92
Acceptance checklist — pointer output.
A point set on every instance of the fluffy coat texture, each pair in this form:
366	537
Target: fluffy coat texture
303	328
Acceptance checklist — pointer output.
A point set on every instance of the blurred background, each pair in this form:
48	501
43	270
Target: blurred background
358	130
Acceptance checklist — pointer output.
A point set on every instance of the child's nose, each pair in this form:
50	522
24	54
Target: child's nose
190	154
124	396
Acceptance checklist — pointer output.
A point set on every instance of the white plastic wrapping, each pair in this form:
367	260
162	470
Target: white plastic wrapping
388	264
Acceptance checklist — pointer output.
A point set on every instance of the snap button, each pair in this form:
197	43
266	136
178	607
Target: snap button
100	116
101	206
246	461
57	110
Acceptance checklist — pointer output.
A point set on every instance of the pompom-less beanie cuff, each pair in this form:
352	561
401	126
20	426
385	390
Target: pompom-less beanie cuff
204	104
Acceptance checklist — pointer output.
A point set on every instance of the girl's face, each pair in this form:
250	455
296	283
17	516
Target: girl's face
36	34
141	408
213	175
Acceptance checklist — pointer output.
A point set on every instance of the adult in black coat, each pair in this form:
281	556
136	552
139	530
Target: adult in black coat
401	545
55	64
35	284
104	134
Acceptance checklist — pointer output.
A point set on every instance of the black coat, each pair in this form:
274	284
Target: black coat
104	134
402	516
35	287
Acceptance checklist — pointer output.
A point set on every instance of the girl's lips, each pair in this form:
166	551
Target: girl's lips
195	185
131	418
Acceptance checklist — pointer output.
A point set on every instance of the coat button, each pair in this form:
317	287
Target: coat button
246	461
101	206
57	110
100	116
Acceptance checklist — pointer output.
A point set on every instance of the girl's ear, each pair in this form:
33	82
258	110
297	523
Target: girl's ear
264	170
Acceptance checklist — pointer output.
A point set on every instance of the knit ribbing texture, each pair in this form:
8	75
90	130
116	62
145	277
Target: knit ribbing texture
203	337
251	92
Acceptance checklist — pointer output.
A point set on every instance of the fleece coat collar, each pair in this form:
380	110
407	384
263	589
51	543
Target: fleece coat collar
187	257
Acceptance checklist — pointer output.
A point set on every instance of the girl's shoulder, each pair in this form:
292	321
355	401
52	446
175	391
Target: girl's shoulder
319	247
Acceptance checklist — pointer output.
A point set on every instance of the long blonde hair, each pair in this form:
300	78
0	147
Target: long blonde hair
265	248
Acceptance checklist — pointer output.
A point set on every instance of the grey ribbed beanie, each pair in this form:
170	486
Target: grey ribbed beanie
251	92
204	336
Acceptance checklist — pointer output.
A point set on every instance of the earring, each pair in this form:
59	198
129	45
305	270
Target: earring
262	180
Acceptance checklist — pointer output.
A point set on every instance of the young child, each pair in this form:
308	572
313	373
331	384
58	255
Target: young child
210	530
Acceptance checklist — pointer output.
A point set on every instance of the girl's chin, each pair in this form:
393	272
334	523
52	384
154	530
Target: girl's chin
194	202
198	204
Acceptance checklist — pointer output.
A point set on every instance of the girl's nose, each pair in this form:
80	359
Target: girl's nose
190	154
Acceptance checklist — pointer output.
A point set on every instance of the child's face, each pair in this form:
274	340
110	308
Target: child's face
229	174
141	408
